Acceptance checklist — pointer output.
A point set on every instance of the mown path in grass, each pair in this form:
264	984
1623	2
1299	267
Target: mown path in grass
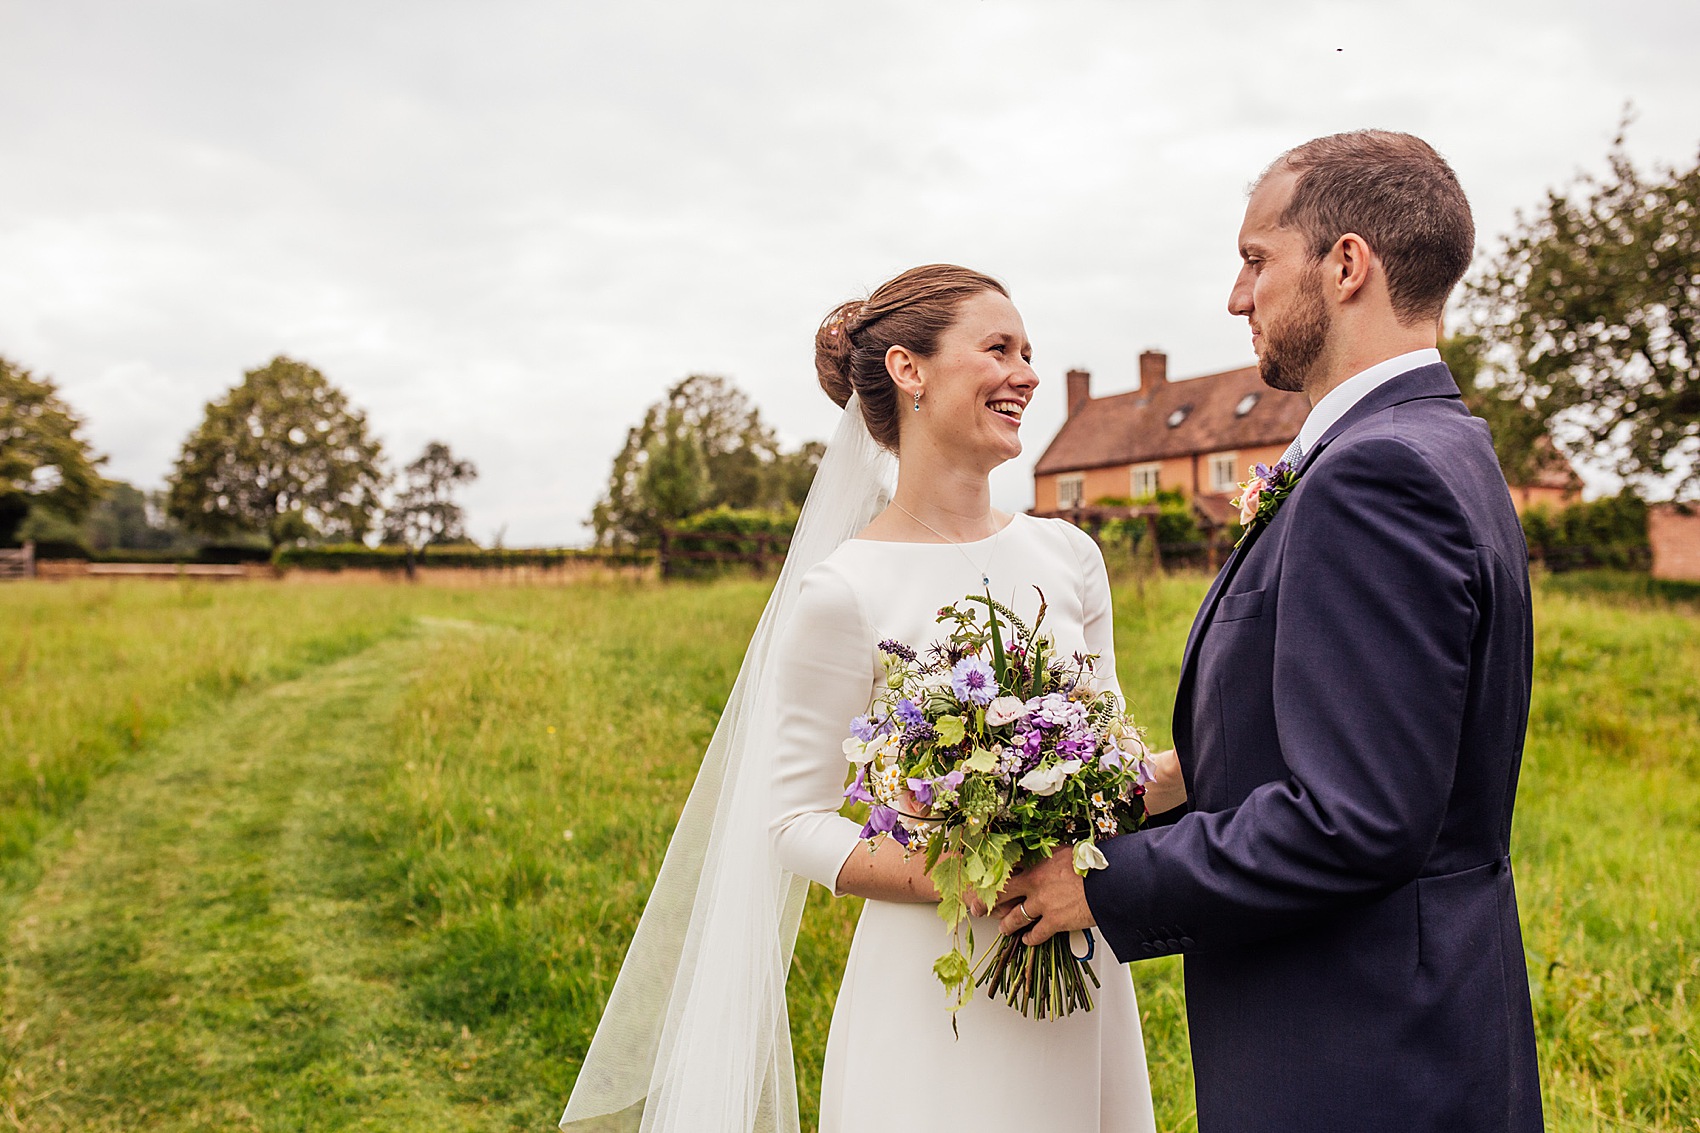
204	954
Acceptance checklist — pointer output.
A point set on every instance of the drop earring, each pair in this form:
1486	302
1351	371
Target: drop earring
917	401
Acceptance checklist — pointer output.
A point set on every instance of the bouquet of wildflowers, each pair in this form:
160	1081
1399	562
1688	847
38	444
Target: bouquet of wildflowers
987	753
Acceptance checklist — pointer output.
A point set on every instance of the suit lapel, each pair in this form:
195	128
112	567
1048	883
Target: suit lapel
1182	720
1425	381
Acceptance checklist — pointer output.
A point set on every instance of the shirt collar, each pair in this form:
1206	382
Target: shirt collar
1339	400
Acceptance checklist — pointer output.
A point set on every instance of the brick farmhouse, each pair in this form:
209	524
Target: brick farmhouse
1198	436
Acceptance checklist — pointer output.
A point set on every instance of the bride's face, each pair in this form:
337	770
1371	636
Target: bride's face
976	387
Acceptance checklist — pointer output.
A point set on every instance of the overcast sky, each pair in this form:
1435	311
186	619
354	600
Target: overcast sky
511	225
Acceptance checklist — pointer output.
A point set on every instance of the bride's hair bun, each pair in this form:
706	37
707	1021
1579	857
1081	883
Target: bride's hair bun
913	311
832	351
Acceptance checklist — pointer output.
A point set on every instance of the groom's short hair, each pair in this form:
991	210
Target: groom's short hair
1397	193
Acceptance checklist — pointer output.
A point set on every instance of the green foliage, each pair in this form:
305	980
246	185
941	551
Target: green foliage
44	461
1177	522
1521	437
1591	313
701	447
424	512
742	555
282	455
129	519
351	901
358	556
1609	532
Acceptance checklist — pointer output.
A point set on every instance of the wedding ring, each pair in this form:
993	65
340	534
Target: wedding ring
1022	905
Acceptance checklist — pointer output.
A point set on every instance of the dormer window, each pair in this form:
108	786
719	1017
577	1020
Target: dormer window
1246	403
1179	415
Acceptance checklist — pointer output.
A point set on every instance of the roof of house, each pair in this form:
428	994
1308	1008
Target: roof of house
1213	413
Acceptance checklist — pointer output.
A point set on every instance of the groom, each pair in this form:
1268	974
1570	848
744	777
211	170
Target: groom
1352	704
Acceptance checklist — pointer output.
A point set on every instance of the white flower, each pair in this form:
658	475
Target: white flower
1005	710
856	751
1048	780
1088	857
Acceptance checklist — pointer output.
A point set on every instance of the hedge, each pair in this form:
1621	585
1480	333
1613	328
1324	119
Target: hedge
355	556
1610	532
736	555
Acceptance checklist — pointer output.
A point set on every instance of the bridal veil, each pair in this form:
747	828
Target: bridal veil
695	1037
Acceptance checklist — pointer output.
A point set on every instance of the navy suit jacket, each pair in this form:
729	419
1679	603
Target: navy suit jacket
1350	723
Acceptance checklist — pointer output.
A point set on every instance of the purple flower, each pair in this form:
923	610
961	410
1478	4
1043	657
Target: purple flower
865	728
897	649
973	681
858	791
907	713
927	790
883	820
919	733
1028	741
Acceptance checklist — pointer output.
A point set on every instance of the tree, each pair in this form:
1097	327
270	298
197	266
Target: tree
1590	314
424	511
44	462
702	446
129	519
1521	437
283	456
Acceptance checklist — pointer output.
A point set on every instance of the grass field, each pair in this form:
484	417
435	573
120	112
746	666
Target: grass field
367	857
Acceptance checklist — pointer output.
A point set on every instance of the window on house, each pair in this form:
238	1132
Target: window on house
1071	491
1145	480
1223	467
1247	403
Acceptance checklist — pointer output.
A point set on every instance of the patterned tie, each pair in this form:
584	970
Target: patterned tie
1291	457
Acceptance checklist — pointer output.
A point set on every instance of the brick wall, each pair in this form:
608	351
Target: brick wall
1675	539
1177	472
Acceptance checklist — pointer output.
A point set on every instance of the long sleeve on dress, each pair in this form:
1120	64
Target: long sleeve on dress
825	661
1097	622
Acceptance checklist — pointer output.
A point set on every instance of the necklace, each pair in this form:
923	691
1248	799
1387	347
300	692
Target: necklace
980	568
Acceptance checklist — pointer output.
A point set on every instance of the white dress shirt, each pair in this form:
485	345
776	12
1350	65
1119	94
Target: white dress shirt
1339	400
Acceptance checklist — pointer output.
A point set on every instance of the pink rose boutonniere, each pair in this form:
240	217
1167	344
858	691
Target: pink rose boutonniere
1261	495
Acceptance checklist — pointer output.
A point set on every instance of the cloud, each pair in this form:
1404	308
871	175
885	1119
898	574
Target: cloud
511	227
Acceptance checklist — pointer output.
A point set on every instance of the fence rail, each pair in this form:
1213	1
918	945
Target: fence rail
756	549
19	563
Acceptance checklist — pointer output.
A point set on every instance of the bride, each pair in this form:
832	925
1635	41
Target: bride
934	367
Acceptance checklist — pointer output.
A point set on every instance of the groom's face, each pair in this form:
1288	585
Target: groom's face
1279	289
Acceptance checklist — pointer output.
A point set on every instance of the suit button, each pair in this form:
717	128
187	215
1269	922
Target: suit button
1186	942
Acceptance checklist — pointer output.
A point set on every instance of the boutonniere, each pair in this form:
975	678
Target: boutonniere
1260	497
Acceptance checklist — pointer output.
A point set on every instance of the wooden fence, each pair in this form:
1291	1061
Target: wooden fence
18	563
681	551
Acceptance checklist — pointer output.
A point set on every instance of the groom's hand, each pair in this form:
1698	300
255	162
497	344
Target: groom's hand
1044	900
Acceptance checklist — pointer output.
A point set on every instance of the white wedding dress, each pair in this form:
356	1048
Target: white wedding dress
891	1058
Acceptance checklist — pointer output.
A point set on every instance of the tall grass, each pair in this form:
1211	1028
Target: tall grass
512	763
90	673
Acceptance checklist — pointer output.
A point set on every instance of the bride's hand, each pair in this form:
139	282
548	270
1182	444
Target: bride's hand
1167	789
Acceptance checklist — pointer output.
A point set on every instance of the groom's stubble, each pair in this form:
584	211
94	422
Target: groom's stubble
1295	343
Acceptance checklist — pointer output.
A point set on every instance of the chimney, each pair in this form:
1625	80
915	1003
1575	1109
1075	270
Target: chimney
1079	390
1153	370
